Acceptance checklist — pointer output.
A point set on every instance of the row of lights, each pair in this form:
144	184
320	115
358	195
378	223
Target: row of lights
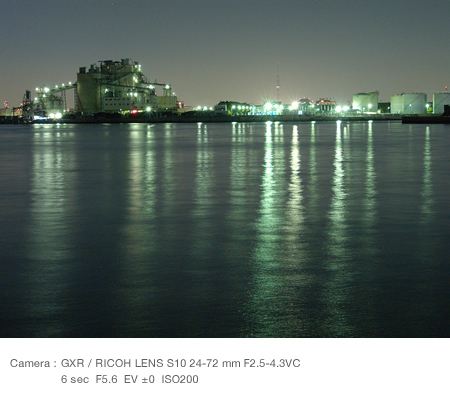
46	89
268	106
239	107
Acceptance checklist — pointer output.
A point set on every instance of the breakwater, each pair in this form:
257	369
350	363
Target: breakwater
435	119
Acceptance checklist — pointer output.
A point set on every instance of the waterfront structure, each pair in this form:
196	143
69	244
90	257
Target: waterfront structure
6	112
305	106
325	106
120	86
274	108
366	102
439	101
111	87
48	103
233	108
409	104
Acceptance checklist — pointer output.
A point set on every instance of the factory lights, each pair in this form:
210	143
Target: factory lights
55	115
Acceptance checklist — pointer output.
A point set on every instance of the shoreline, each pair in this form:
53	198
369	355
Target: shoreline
416	119
212	119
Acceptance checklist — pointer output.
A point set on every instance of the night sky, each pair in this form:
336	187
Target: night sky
211	50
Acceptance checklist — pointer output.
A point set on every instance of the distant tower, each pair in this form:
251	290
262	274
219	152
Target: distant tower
278	82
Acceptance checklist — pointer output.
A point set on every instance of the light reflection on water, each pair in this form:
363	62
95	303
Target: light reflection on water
276	229
50	222
427	187
264	310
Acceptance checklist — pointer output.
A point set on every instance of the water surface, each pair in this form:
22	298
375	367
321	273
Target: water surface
225	230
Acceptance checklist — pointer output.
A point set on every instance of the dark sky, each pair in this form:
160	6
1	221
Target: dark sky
212	50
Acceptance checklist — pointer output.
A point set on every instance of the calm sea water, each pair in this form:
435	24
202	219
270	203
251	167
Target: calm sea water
225	230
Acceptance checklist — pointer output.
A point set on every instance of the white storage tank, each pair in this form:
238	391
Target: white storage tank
366	102
415	103
409	103
396	103
439	100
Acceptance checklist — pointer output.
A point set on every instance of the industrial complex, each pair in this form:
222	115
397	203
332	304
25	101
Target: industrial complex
109	87
120	88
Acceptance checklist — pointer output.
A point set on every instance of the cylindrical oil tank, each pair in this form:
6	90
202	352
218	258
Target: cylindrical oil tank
396	103
409	103
414	103
439	100
367	102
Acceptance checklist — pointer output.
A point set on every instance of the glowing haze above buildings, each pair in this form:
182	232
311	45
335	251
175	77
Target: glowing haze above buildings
212	50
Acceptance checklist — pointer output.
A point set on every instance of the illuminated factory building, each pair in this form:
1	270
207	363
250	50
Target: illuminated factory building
111	87
119	87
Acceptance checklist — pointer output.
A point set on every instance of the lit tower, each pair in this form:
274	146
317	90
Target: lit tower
278	82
